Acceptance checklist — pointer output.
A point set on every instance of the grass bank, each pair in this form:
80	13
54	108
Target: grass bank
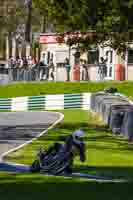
33	187
106	156
41	88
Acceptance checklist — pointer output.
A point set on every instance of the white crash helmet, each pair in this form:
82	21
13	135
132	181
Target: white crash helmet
78	136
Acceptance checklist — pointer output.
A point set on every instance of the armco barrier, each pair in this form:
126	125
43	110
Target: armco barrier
46	102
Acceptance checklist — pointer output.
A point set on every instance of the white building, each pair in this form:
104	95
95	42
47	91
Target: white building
58	52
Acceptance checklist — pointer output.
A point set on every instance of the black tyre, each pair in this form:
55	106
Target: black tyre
35	167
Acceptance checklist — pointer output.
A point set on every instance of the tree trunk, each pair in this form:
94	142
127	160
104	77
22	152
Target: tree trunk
10	43
17	49
43	27
23	50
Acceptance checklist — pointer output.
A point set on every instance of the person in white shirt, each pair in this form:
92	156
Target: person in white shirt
30	62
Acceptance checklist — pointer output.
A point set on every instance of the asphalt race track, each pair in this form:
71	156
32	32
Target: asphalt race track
16	128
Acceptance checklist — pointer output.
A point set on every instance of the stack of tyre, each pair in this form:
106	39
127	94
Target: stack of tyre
115	110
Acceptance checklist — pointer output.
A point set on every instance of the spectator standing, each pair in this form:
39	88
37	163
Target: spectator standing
10	68
30	71
42	69
102	70
86	75
68	68
19	63
45	59
51	68
10	62
30	62
25	63
34	62
14	68
13	62
82	70
35	69
19	67
25	67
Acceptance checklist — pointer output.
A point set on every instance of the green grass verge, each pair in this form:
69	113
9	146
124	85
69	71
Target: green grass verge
106	156
33	187
31	89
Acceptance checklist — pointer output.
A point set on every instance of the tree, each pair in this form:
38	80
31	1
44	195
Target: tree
12	15
111	20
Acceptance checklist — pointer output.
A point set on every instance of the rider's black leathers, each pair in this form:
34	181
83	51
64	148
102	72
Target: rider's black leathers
72	148
67	151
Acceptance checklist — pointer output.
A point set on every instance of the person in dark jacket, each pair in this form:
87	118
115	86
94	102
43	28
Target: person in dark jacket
68	68
102	70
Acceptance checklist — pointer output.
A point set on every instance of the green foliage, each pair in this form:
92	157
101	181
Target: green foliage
112	20
104	151
13	16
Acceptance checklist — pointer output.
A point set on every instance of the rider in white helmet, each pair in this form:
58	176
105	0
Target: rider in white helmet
73	146
78	136
76	145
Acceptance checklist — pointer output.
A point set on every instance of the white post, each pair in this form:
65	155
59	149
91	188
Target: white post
7	48
14	47
28	48
126	65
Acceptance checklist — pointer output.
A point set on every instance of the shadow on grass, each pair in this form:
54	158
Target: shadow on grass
93	135
95	140
85	126
72	125
107	171
33	187
94	132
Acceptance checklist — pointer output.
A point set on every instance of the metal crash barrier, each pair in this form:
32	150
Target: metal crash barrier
23	74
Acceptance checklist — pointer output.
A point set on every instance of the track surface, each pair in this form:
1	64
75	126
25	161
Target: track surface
16	128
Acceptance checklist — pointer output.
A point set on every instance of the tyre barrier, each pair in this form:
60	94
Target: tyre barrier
106	107
116	120
127	126
116	112
107	110
94	97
